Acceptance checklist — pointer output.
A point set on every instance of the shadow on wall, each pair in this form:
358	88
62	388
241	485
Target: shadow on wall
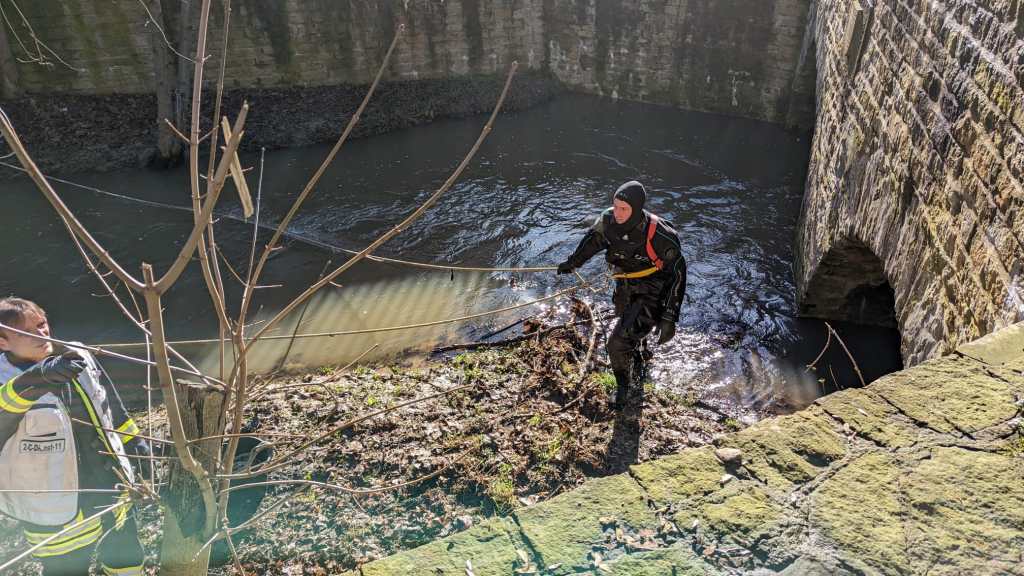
849	289
850	285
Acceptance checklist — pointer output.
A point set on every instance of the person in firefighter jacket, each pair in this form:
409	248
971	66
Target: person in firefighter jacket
64	449
650	280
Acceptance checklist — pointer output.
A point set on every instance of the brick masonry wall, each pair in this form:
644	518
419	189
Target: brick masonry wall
918	158
737	57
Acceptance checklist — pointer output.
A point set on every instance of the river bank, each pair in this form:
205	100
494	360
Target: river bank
499	429
70	133
467	437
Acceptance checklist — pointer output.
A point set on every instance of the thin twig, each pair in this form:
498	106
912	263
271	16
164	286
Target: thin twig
828	341
153	21
283	225
51	196
101	351
402	225
175	128
848	355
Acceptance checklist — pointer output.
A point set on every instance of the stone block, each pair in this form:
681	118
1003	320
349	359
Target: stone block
789	450
870	416
859	509
680	477
563	529
950	395
677	560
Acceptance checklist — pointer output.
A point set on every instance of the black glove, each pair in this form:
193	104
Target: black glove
565	267
666	330
53	370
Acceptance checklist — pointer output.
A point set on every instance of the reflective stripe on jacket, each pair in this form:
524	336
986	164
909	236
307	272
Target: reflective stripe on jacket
40	443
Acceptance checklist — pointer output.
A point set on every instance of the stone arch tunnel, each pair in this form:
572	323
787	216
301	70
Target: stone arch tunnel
916	175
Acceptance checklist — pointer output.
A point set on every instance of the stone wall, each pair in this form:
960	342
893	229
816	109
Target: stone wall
917	169
733	57
727	56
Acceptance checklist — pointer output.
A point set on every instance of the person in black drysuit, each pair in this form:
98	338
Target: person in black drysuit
650	272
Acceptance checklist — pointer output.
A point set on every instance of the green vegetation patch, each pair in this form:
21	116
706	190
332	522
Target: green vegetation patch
563	529
490	548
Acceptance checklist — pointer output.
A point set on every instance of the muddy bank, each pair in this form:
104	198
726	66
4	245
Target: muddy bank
72	133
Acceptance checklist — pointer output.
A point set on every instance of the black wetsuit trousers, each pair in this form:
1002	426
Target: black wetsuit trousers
638	304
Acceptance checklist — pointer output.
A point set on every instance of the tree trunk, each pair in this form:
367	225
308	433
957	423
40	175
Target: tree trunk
8	68
184	512
165	73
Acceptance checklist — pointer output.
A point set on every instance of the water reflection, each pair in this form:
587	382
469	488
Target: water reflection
732	187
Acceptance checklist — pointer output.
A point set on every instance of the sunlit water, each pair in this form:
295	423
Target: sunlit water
732	187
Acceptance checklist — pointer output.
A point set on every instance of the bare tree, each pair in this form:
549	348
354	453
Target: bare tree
202	414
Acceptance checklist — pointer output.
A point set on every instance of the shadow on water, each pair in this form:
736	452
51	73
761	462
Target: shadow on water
732	187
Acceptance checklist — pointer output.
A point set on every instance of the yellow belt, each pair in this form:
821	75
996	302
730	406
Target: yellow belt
631	275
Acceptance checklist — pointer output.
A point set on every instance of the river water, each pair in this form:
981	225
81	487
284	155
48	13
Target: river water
731	186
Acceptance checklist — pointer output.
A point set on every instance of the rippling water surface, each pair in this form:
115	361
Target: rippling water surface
732	187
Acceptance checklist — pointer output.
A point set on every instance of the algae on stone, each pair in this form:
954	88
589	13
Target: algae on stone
966	509
949	395
689	474
563	529
869	416
789	449
489	546
677	560
859	509
1004	348
743	512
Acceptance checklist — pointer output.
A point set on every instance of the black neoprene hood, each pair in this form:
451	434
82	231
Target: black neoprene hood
634	194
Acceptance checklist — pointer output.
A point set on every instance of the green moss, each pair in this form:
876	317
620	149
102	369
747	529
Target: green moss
870	416
859	509
949	395
271	16
673	479
789	449
965	507
563	529
742	511
677	560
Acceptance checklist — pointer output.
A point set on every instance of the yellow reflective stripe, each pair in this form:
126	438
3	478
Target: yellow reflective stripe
10	401
128	430
87	402
67	546
640	274
82	535
126	571
79	528
121	514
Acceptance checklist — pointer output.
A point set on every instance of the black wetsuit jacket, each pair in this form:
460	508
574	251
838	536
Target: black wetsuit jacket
627	252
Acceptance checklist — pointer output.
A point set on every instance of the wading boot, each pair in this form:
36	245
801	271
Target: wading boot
617	400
